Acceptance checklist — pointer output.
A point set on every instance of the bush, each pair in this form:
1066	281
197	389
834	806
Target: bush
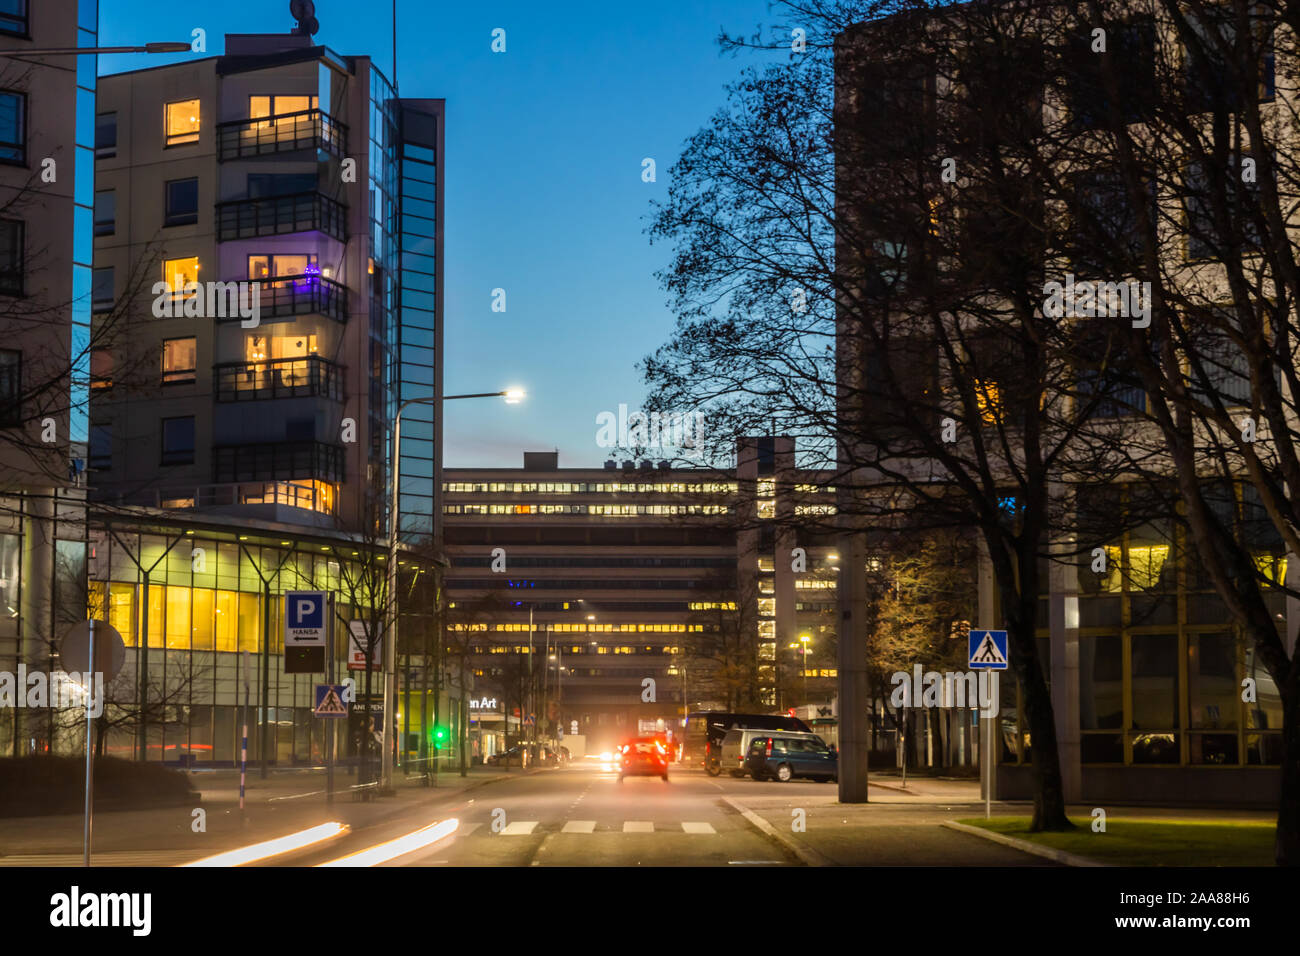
41	785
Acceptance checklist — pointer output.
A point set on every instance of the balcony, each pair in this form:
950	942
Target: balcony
285	133
278	378
290	296
316	496
277	461
280	215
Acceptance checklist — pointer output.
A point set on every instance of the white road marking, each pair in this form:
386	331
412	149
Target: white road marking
698	827
638	826
519	828
579	826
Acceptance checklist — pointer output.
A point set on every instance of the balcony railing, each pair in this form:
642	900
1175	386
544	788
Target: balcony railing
286	132
289	296
278	378
277	461
277	215
313	496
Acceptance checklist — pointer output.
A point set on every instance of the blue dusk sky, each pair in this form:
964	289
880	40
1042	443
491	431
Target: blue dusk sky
544	195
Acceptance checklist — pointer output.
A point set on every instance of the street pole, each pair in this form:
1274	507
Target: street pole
243	746
90	753
532	682
394	512
329	723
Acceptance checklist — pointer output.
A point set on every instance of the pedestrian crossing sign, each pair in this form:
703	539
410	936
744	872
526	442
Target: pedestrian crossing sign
988	650
329	701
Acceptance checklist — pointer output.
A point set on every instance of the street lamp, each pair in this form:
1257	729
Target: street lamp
164	47
512	396
802	646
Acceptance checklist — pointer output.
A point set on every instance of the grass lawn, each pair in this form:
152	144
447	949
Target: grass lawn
1153	842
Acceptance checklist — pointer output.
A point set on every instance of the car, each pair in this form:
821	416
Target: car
784	756
731	753
514	757
704	730
643	756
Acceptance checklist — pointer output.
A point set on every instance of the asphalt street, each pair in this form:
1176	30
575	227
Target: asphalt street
582	815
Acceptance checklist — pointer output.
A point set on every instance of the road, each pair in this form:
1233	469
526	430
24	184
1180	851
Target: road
582	816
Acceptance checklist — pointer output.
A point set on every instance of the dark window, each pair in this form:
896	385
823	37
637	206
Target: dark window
1237	194
1129	57
13	127
178	441
1217	68
1004	92
11	377
105	213
264	185
182	202
101	295
1216	364
1107	233
101	446
105	135
13	17
11	257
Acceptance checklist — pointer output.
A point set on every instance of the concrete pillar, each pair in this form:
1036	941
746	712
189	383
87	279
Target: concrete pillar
37	606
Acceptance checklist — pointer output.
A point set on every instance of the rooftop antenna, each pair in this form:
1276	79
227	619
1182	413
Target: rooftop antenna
304	11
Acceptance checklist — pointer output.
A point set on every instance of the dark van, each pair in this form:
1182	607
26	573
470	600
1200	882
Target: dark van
703	733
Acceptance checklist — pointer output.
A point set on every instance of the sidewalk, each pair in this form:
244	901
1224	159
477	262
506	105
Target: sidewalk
283	803
904	826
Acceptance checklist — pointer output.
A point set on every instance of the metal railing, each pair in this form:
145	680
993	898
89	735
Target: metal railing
278	215
309	375
272	461
288	296
285	132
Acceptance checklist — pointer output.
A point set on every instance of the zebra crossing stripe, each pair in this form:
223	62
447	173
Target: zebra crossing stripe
519	828
638	826
698	828
579	826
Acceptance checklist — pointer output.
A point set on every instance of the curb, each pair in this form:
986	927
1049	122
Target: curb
1024	846
809	856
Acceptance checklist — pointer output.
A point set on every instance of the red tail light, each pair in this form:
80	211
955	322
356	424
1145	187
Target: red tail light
708	748
769	746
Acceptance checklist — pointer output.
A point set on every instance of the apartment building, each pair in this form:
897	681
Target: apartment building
606	578
1144	663
46	197
268	235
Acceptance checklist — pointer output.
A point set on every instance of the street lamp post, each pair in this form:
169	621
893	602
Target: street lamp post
162	47
511	396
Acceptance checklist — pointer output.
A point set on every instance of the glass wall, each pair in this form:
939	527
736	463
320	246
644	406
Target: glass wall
1161	665
206	603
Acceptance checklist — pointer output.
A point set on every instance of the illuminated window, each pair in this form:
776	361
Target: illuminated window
178	361
178	273
1145	564
260	106
986	399
268	266
182	122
